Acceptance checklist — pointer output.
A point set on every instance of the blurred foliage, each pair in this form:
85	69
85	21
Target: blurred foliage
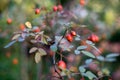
102	17
115	37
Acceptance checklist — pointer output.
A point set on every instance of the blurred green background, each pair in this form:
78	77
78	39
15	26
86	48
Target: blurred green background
101	16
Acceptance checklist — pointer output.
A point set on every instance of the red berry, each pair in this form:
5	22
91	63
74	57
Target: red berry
96	38
37	11
82	2
62	64
22	27
93	38
60	8
9	21
73	33
15	61
69	37
55	8
37	29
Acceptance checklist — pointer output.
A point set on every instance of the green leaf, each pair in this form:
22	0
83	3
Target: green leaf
110	59
33	49
20	39
77	38
82	69
68	73
43	39
53	47
106	71
89	42
16	36
96	48
81	47
88	61
42	52
77	52
100	58
63	73
88	54
10	44
90	75
33	41
37	57
112	55
41	32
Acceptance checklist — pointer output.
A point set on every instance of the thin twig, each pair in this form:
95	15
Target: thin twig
54	59
61	55
62	37
54	62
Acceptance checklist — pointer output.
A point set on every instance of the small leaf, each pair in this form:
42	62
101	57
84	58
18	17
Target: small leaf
41	32
68	73
89	42
16	36
106	71
88	61
28	24
30	34
88	54
33	49
82	69
90	75
77	52
81	47
53	47
10	44
63	73
96	48
77	38
44	40
20	39
112	55
37	57
100	58
42	51
33	41
110	59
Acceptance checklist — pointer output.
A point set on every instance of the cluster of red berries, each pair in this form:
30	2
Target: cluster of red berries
93	38
61	64
57	8
69	36
82	2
